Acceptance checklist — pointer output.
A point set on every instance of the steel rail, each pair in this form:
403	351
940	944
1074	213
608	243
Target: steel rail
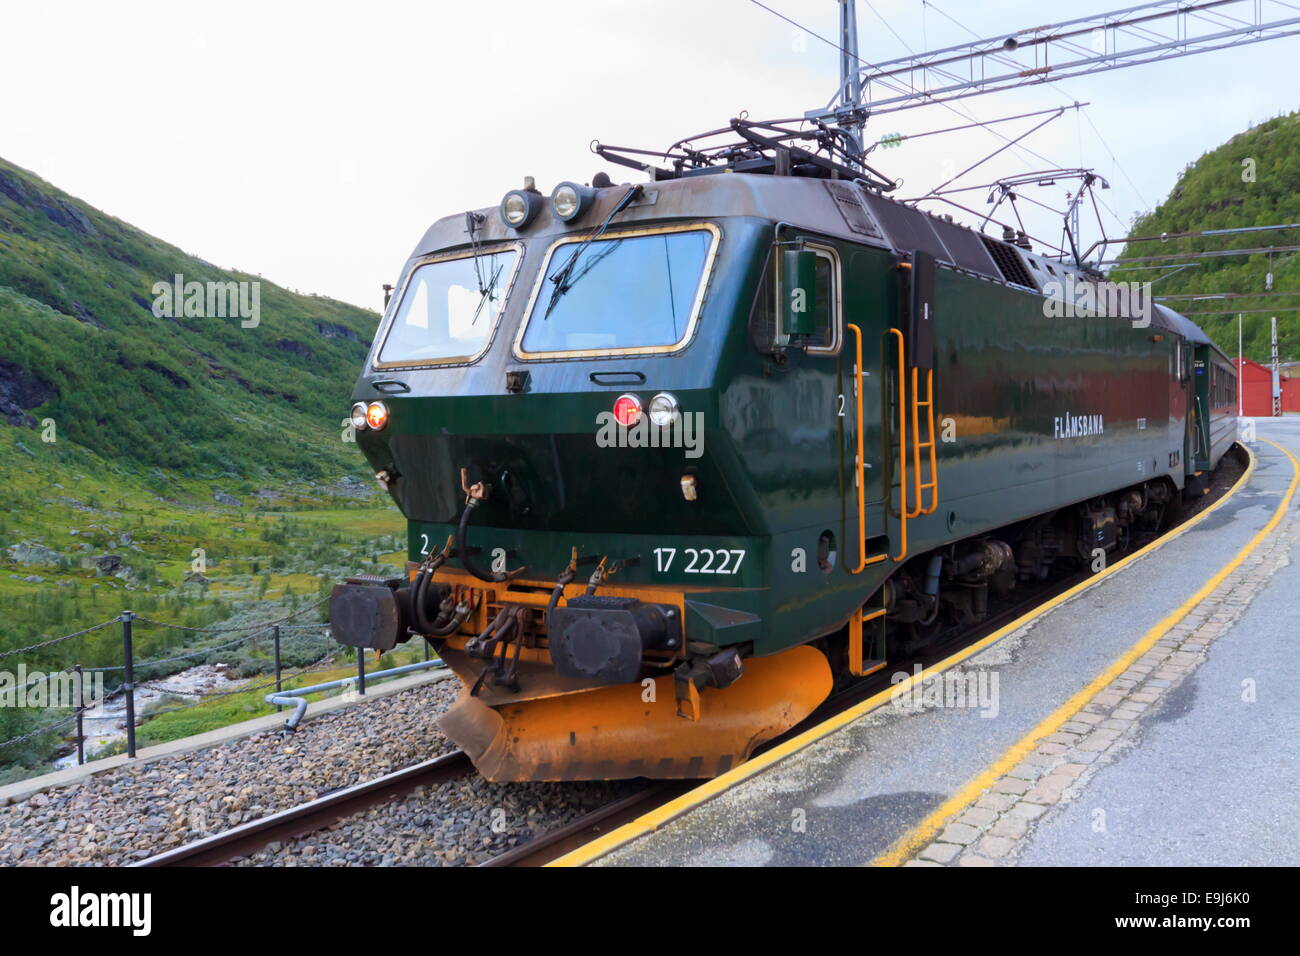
553	844
248	838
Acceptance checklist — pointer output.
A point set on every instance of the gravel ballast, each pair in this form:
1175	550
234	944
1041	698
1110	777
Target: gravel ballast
135	811
460	823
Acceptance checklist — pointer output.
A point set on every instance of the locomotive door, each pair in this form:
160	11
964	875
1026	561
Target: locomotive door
868	395
1180	407
1200	398
889	317
821	406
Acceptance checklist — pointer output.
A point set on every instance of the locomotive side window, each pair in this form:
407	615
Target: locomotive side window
624	294
825	338
448	309
765	322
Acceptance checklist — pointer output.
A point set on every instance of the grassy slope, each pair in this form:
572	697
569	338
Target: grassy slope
202	395
1211	194
152	417
265	559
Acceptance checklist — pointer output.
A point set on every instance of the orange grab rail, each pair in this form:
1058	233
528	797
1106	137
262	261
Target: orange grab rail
860	463
902	446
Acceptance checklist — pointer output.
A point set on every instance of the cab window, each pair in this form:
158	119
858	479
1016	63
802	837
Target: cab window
624	293
448	309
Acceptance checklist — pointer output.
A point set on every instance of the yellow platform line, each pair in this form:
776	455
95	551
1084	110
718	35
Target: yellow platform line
912	841
649	822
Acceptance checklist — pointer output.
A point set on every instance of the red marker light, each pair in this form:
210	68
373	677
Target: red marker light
627	410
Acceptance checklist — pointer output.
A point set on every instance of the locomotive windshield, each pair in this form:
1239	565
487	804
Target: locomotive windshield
448	309
629	293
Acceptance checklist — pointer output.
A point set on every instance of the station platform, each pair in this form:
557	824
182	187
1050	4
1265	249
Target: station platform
1146	717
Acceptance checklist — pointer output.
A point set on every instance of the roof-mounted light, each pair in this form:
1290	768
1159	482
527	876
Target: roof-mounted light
519	207
570	201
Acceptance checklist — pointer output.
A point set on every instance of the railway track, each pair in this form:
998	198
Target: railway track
320	814
314	815
555	843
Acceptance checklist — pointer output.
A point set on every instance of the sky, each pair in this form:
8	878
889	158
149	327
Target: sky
313	143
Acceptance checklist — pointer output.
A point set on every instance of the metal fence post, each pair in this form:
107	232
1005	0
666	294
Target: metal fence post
279	686
361	670
128	659
81	713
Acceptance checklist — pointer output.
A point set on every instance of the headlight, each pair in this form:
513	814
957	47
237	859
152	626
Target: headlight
570	200
376	415
358	415
519	207
664	410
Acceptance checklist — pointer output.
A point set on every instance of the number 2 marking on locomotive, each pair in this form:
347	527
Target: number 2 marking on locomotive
424	544
664	560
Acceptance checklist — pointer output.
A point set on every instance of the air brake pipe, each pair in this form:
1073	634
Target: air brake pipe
427	569
450	615
297	699
474	496
492	577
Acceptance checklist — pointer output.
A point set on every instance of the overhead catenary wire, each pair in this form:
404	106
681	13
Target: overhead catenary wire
1052	45
865	63
1009	143
1057	88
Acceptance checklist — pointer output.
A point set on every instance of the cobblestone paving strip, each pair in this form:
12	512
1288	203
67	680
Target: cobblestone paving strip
991	830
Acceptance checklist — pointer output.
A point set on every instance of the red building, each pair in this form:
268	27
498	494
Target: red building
1257	390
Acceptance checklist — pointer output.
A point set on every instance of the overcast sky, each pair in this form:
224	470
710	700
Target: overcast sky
314	142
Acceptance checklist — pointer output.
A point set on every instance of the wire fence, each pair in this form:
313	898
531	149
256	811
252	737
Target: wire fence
59	640
130	667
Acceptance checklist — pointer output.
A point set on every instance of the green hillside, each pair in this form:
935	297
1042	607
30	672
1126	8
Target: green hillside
171	437
79	343
1211	193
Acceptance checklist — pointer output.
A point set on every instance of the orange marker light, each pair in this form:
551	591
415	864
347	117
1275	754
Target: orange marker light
627	409
377	415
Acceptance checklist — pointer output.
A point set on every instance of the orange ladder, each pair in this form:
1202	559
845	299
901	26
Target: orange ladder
859	664
932	486
860	461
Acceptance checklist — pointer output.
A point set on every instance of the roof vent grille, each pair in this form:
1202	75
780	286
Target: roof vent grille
1009	262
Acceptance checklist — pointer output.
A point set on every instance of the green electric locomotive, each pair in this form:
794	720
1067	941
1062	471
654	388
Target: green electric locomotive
679	456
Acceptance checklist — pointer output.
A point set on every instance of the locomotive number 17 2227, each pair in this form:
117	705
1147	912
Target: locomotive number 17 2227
700	560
